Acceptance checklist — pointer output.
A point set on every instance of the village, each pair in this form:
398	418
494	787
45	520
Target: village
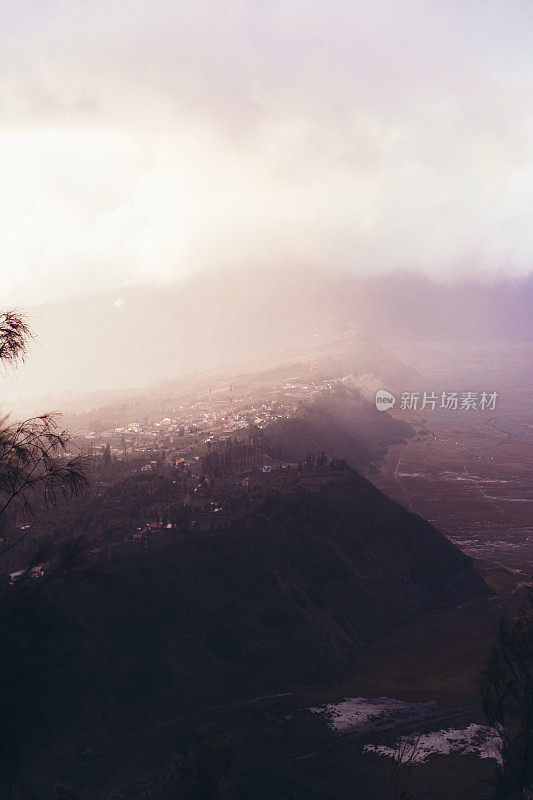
156	479
195	429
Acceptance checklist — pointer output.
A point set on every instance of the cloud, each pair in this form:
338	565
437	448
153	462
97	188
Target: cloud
149	140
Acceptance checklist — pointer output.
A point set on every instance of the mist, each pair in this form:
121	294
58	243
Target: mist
147	142
234	319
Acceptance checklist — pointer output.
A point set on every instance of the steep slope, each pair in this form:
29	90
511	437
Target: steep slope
137	335
290	593
287	593
353	355
341	423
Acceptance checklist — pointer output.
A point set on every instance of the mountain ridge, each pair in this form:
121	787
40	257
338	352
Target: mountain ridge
138	335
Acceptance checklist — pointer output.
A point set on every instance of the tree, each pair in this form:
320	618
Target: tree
14	336
107	454
32	463
37	640
506	690
405	755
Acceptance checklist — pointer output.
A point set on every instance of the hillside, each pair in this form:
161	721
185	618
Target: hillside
288	594
341	423
324	570
227	319
320	572
353	358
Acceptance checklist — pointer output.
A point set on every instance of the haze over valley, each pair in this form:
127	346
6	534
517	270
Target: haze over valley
236	318
266	429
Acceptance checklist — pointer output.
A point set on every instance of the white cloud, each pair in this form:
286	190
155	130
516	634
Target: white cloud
147	140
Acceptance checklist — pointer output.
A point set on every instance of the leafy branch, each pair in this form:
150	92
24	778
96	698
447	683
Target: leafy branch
14	337
33	464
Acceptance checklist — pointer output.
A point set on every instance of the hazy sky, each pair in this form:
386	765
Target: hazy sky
148	140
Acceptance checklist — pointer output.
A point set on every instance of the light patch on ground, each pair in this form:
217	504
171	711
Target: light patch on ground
372	713
418	748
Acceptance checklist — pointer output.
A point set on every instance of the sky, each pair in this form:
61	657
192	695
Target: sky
145	141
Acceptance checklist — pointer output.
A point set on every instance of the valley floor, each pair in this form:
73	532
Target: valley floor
472	478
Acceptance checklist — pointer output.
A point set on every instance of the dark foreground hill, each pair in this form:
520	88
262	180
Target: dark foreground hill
287	593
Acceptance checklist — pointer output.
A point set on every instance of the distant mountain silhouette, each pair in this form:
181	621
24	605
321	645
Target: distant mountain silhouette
138	335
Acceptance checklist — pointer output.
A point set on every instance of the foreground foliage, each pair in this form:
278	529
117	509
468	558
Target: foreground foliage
506	690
